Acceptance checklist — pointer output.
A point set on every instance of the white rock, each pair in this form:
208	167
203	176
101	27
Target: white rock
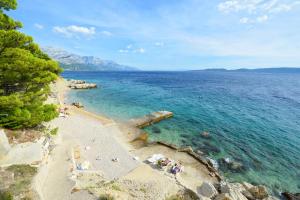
207	190
233	189
223	196
4	144
247	186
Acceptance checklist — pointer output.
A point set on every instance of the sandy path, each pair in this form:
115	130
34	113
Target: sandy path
81	130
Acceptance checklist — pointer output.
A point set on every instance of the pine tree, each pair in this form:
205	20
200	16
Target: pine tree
25	75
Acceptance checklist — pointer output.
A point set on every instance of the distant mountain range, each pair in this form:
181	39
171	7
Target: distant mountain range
74	62
262	70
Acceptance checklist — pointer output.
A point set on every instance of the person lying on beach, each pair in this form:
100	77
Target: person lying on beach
164	162
176	168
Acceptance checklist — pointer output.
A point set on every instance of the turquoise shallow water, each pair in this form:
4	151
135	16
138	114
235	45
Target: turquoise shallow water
253	118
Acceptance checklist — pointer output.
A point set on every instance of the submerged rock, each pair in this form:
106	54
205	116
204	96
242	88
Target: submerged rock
213	163
209	148
229	164
205	134
290	196
156	129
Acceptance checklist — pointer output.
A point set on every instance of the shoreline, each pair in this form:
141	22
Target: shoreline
131	147
137	134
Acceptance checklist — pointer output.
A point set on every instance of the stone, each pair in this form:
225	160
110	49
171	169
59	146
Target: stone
83	86
207	190
233	189
247	185
77	104
229	164
213	163
224	187
8	177
205	134
248	195
272	198
223	196
4	144
291	196
259	192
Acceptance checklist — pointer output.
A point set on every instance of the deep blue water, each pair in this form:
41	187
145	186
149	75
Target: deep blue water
252	118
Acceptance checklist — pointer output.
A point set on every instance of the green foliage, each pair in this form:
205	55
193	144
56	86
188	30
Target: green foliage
7	23
6	196
54	131
25	75
106	197
23	175
8	4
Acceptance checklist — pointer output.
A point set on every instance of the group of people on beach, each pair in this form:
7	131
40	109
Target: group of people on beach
175	168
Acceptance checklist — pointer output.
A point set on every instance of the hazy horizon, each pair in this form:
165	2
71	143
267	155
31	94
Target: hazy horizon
170	35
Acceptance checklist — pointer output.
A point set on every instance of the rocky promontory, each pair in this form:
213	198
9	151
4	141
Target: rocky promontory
80	84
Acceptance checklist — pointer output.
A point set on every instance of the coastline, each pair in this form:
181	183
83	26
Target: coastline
132	170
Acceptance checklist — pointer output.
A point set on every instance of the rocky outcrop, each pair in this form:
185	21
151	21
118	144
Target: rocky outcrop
77	104
4	144
242	191
207	190
223	196
290	196
83	86
80	84
259	192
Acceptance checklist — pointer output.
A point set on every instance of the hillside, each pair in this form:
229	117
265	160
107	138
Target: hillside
70	61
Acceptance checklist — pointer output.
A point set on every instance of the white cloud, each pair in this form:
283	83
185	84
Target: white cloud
123	51
106	33
129	48
244	20
263	18
75	31
139	50
159	44
256	10
38	26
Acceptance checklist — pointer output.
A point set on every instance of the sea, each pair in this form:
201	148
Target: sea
251	119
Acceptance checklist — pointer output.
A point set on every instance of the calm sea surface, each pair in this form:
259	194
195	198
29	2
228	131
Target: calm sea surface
253	119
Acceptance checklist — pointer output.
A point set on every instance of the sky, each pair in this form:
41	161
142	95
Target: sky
170	34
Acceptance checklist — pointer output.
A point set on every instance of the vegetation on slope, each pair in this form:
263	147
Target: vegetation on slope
25	75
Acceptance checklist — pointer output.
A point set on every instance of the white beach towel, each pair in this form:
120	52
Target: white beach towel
155	157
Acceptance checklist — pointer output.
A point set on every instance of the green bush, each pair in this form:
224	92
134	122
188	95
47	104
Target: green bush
106	197
54	131
6	196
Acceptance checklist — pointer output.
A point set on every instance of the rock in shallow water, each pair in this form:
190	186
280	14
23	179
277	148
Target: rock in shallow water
205	134
231	165
209	148
259	192
156	130
290	196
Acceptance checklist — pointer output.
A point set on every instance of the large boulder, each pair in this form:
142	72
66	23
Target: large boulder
259	192
207	190
247	185
234	190
4	144
291	196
